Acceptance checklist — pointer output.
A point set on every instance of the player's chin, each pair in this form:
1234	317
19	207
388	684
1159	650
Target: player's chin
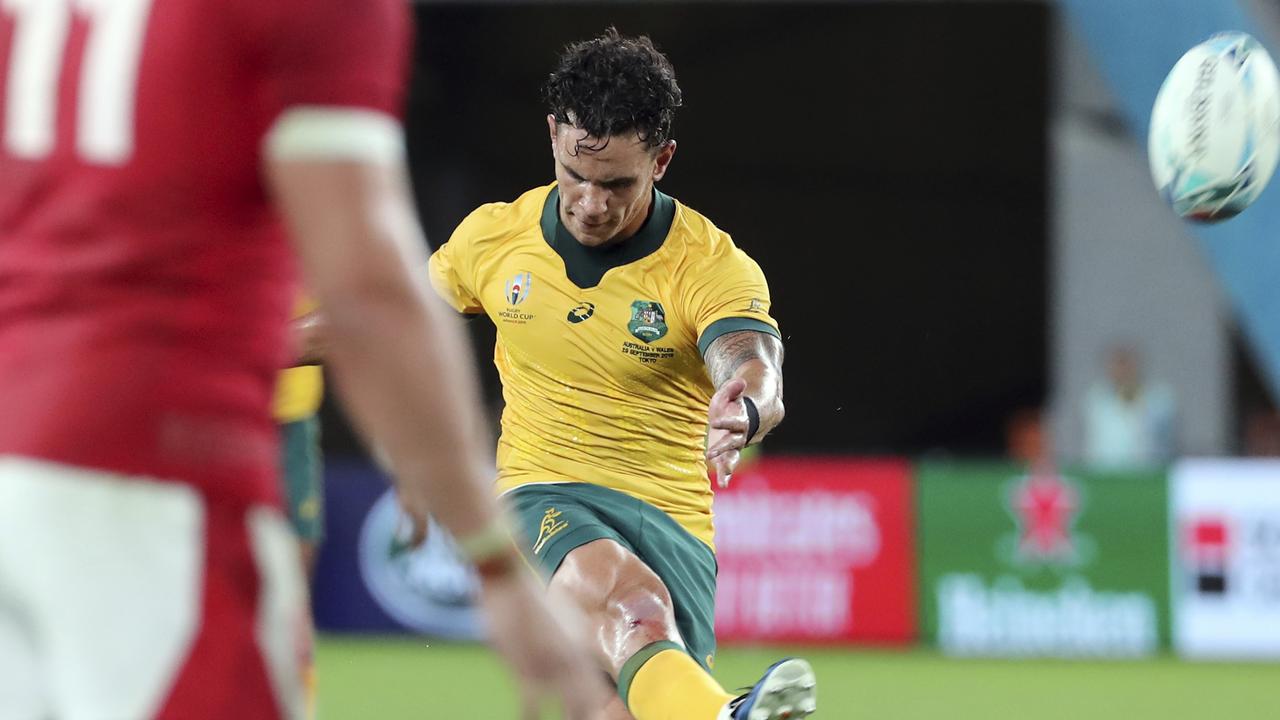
593	240
594	235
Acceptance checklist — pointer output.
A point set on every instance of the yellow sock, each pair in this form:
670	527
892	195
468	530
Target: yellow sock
670	685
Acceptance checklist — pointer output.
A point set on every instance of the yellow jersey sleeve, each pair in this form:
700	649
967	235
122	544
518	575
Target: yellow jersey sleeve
299	392
730	294
451	266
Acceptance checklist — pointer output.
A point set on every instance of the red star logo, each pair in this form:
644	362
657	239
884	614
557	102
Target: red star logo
1045	506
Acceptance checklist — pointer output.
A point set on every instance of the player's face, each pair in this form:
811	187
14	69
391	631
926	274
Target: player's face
605	194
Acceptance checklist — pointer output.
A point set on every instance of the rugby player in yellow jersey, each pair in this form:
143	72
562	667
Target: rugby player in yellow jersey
296	404
299	392
635	348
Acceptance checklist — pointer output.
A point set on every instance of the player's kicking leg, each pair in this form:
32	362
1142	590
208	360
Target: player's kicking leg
632	615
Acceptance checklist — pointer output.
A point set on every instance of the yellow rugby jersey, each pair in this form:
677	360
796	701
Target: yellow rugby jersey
600	349
299	390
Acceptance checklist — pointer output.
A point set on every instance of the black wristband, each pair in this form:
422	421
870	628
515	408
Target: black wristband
753	418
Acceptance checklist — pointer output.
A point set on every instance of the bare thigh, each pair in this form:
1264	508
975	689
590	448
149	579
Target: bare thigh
626	604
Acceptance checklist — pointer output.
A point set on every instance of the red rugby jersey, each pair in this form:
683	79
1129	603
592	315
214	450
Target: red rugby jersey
145	280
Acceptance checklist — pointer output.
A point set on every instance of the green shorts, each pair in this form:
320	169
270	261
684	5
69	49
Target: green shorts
303	471
556	518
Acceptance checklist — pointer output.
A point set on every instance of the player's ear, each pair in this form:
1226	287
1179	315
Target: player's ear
662	159
551	125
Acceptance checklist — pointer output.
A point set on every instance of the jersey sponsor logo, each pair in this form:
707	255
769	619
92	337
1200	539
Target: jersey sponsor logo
550	527
648	321
518	288
581	312
757	305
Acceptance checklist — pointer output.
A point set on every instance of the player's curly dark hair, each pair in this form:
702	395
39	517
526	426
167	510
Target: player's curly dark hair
612	85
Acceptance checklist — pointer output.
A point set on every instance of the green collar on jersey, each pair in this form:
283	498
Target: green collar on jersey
585	266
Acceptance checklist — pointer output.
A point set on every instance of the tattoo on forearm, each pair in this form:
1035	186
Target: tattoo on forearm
731	350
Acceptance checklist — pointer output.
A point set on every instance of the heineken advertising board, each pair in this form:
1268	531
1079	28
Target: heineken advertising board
1064	564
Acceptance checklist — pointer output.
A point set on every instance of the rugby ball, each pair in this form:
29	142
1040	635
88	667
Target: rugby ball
1215	128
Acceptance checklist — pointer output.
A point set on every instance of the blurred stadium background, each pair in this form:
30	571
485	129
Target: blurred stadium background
1029	465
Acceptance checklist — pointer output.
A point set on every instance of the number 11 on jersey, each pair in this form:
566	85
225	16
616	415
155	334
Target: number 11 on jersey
108	79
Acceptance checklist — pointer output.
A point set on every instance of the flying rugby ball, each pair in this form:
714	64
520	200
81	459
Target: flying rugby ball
1215	128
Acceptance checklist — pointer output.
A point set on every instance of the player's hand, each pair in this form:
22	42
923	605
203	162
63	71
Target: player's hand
727	434
542	641
411	530
308	339
409	534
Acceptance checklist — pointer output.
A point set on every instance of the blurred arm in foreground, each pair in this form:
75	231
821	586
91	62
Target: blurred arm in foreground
399	363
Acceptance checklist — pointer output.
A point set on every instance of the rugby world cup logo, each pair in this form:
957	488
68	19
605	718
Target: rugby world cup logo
518	288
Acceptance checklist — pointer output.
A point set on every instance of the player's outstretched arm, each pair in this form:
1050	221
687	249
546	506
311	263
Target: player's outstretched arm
746	370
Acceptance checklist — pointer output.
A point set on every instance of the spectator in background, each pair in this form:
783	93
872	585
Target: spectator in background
1261	433
1128	421
1025	437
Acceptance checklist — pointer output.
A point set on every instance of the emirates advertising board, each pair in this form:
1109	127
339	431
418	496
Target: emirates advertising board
810	550
816	550
1045	563
1226	558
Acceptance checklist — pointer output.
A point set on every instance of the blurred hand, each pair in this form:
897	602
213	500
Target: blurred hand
410	534
411	530
308	340
727	434
542	642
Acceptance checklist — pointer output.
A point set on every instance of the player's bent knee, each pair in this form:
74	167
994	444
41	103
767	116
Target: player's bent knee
641	614
641	606
627	601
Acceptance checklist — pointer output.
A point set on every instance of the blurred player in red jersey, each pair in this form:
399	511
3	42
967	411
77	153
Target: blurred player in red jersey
145	282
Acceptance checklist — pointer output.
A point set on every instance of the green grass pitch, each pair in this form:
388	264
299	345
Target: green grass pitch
389	679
